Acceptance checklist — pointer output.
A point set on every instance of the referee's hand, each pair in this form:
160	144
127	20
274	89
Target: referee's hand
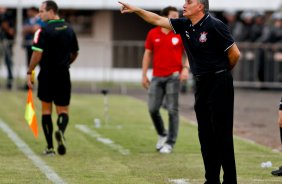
30	80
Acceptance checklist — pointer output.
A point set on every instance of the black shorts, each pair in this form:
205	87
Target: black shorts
54	87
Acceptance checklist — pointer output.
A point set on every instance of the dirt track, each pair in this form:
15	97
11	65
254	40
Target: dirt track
255	114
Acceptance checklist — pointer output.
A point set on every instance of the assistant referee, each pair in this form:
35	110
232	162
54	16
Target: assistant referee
55	47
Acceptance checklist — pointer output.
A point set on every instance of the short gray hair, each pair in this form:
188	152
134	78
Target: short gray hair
206	5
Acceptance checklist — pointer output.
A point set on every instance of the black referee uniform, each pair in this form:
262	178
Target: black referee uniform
58	41
58	44
206	44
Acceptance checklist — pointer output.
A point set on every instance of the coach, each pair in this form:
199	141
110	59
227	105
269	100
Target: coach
212	54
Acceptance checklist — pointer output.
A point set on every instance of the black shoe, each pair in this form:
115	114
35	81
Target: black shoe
277	172
61	142
49	152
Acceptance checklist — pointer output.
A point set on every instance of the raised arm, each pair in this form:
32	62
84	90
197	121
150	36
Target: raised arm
148	16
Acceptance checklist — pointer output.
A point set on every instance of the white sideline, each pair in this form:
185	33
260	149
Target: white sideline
105	141
23	147
179	181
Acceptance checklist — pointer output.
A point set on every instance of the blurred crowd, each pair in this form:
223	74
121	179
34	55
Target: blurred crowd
255	26
31	23
259	37
7	35
251	30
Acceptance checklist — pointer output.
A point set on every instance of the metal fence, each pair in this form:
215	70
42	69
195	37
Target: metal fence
260	65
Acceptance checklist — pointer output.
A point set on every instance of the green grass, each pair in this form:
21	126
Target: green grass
90	162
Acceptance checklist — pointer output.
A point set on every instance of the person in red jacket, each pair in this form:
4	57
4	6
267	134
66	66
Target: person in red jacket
165	49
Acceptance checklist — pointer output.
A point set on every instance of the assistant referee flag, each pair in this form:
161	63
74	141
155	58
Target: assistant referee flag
30	116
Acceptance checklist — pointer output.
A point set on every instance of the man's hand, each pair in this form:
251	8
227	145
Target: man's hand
184	74
145	82
30	79
126	8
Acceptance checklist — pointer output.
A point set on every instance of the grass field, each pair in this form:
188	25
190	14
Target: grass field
121	152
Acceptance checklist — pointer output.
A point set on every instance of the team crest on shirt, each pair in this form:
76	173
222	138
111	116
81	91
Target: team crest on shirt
203	37
174	41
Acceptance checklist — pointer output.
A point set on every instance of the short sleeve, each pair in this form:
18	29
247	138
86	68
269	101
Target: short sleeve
74	47
148	43
225	39
38	40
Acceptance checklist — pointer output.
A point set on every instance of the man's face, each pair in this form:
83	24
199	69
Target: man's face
173	15
44	15
191	7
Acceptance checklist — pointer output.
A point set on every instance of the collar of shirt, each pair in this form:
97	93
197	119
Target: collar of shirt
201	22
57	20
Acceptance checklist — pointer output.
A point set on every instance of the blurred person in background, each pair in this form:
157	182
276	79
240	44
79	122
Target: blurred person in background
245	32
275	35
165	49
31	24
258	28
233	23
272	34
7	35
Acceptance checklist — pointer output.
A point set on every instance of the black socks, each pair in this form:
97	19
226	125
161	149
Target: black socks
47	126
62	121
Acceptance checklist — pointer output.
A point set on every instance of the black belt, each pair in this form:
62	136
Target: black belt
210	74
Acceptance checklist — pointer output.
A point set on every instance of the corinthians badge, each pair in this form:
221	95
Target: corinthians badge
203	37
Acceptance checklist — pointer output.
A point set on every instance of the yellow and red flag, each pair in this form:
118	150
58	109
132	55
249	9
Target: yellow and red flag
30	116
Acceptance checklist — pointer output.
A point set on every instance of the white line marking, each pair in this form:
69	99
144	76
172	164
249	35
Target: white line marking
23	147
105	141
179	181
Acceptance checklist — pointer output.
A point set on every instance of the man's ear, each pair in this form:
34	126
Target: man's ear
201	7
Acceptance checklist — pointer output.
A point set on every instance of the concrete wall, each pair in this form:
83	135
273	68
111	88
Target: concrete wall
95	59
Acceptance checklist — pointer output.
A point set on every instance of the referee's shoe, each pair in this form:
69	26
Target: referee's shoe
277	172
61	142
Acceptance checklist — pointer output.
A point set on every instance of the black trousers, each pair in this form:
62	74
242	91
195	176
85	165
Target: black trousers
214	106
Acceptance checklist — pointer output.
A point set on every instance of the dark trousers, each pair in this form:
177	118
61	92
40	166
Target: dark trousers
8	51
214	105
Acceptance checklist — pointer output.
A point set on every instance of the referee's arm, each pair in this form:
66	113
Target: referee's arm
73	57
35	59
